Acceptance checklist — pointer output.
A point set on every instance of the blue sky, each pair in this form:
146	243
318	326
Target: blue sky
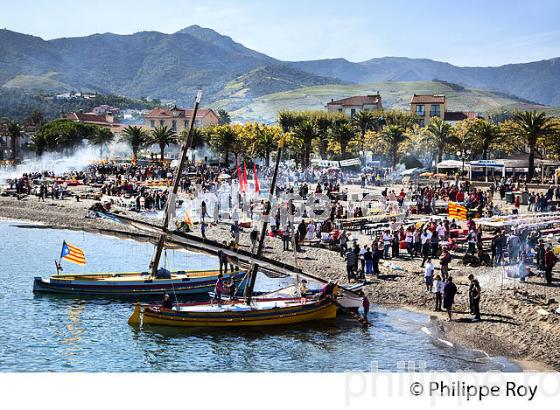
467	32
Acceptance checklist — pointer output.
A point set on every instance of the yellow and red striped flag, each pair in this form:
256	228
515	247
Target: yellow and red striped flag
457	211
72	254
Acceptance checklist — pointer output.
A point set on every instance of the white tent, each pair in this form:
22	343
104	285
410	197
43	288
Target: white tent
450	164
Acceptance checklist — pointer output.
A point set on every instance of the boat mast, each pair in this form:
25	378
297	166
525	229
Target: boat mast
266	214
170	205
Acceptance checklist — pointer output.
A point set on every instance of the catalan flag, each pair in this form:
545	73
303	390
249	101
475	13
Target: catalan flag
457	211
72	254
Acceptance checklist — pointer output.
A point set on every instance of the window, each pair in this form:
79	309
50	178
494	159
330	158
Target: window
186	123
352	112
174	125
161	123
152	124
420	110
434	110
422	122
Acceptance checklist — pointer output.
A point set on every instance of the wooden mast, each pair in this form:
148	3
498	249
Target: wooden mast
170	205
266	214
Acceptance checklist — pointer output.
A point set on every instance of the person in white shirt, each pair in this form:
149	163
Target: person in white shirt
387	241
429	275
426	238
438	290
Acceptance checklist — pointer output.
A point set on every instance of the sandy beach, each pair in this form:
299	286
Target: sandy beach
513	323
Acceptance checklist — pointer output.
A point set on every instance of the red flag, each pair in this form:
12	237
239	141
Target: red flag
255	178
245	176
239	176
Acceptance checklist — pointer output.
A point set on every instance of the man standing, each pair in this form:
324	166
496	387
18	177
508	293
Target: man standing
351	260
550	260
429	275
474	297
449	292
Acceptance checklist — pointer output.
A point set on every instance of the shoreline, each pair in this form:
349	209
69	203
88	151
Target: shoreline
498	334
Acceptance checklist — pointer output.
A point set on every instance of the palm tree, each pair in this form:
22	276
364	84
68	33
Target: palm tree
343	133
102	138
163	136
198	139
307	132
266	141
486	135
440	134
223	139
14	131
530	127
289	120
364	121
393	136
136	137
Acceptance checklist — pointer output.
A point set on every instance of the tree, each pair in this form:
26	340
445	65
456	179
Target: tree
440	134
198	139
393	136
136	137
486	135
14	131
223	139
289	120
163	136
343	133
223	117
266	141
531	127
36	118
364	121
102	138
307	132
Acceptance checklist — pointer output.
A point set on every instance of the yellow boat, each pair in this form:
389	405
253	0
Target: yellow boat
261	312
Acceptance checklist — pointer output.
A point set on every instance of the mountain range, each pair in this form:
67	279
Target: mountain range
173	66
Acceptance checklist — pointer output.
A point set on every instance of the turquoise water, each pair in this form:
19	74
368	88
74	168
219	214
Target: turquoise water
48	333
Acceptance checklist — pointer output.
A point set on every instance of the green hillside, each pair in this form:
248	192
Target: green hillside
394	95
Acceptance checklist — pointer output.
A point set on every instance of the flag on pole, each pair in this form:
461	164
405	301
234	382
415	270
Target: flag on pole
245	185
457	211
72	254
239	175
255	178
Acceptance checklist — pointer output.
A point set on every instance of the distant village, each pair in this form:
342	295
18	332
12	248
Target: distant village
116	119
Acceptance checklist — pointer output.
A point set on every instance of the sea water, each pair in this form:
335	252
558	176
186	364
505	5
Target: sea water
53	333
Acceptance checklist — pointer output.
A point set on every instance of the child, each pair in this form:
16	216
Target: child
438	285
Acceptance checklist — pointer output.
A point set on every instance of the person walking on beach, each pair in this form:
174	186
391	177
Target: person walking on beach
375	258
368	260
474	297
343	242
429	275
438	288
387	241
550	260
444	260
449	292
426	244
351	260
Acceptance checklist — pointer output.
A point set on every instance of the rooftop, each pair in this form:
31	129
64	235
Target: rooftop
428	99
177	112
359	100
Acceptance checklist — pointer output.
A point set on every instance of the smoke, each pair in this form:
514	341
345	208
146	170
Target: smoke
64	163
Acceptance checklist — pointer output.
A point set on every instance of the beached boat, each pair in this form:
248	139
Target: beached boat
134	284
261	312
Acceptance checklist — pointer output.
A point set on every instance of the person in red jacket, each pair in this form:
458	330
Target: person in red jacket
550	260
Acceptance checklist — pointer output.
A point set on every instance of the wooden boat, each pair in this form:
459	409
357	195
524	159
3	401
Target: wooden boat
134	284
261	312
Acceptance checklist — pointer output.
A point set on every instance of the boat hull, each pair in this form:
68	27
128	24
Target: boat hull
196	285
298	313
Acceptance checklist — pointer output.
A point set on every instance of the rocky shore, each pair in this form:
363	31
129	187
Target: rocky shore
521	324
